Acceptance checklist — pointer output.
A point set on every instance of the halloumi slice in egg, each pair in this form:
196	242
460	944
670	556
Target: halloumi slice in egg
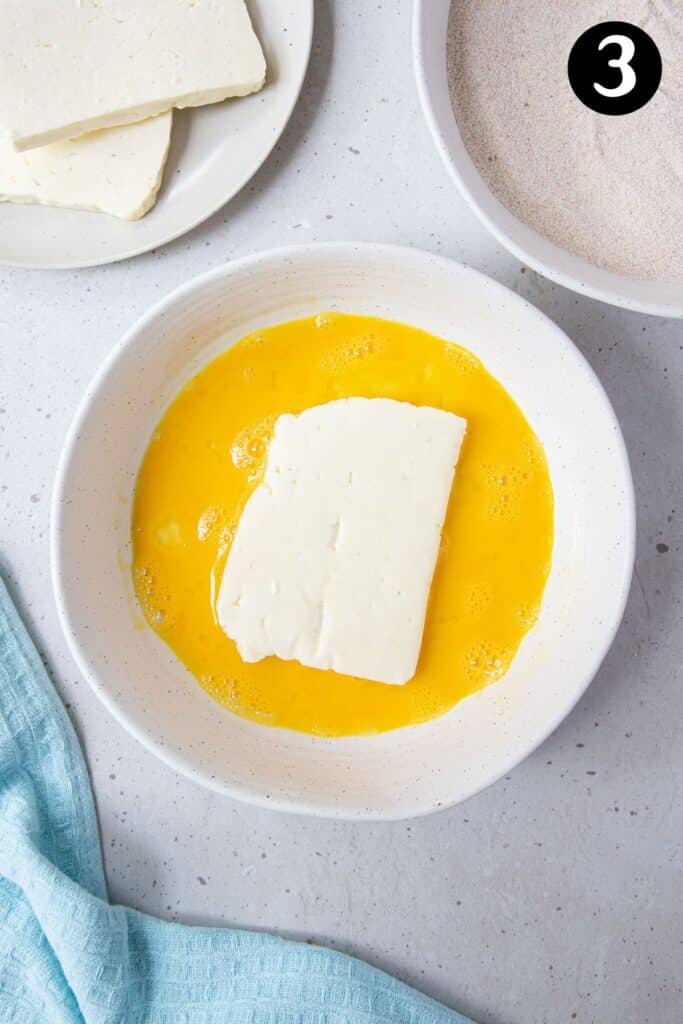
334	553
116	170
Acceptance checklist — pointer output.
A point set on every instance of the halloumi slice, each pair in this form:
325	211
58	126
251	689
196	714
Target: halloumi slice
69	67
334	554
116	170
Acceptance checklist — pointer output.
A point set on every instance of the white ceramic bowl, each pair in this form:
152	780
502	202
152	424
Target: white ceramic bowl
410	771
430	22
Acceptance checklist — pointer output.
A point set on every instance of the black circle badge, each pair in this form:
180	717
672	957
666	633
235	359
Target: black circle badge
615	68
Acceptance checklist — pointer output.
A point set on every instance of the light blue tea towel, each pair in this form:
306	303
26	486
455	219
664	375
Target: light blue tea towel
68	956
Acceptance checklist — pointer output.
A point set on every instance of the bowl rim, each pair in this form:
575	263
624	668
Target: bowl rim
614	295
180	762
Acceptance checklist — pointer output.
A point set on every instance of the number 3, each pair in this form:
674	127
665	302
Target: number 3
623	62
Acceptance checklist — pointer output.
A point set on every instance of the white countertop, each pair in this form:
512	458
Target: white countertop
555	895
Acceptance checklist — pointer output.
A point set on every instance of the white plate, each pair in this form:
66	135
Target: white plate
430	22
410	771
215	150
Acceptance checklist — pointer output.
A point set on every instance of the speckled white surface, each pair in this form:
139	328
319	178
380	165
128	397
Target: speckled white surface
554	896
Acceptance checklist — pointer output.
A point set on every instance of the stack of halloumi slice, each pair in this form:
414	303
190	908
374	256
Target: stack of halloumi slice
87	89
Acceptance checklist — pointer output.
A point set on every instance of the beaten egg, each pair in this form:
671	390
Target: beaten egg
208	454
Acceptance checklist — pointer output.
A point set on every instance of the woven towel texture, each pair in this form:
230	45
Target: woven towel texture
68	957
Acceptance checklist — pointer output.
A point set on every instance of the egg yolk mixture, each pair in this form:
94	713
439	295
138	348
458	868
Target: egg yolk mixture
208	454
